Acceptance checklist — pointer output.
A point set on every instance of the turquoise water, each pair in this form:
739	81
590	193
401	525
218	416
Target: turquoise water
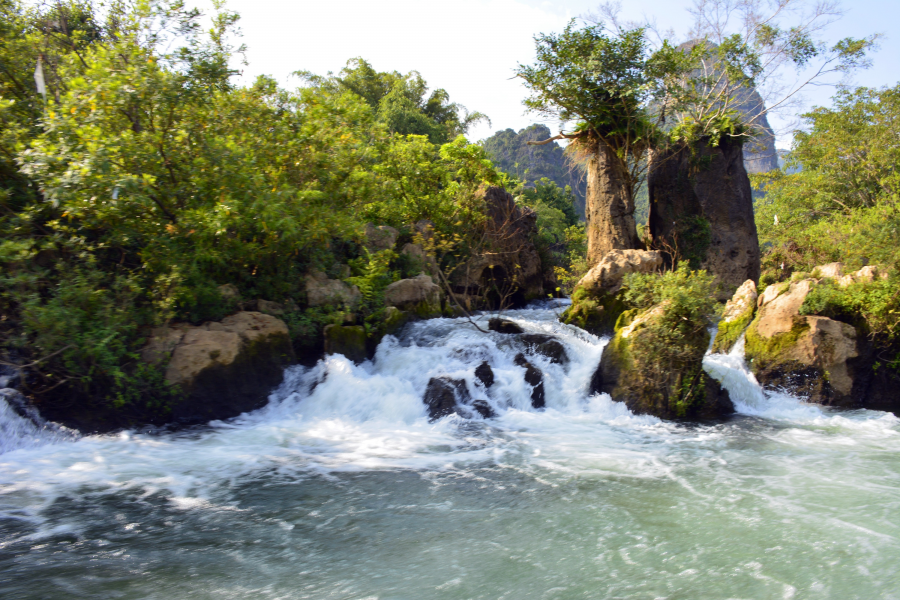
345	490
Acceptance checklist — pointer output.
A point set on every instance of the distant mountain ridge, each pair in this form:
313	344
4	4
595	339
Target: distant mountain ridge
510	152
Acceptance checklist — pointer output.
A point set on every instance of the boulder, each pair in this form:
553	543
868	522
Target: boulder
321	291
546	345
416	253
229	292
595	305
504	326
736	317
224	368
270	308
443	395
485	374
665	381
701	204
395	319
382	237
607	275
418	295
349	340
809	355
534	378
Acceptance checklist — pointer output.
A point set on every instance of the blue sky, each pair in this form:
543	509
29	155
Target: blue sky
471	47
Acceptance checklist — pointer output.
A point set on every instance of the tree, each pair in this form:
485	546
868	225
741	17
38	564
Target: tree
602	81
401	102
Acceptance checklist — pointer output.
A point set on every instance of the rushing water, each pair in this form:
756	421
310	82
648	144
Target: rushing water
341	488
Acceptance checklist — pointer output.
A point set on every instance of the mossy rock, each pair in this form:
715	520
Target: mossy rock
730	332
349	340
649	381
596	314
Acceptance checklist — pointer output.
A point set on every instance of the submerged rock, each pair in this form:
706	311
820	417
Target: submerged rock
485	374
534	378
349	340
443	395
653	378
737	316
484	409
546	345
504	326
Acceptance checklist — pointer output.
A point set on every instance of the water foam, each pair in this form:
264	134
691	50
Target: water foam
338	416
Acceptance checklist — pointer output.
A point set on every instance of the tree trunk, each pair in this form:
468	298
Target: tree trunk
609	206
701	207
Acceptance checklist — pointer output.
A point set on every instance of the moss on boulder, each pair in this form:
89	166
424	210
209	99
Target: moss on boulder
660	375
595	314
737	316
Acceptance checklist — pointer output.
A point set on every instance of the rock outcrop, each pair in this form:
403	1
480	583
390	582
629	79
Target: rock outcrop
738	313
701	204
443	395
507	271
382	237
650	378
418	295
322	291
224	368
809	355
546	345
595	306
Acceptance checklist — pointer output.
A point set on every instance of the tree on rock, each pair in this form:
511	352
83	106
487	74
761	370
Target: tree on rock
600	81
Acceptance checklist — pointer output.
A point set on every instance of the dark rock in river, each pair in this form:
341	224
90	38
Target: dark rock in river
349	340
504	326
443	395
548	346
484	409
535	379
485	374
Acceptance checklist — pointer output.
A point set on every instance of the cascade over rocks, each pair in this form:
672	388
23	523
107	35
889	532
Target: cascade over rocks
535	379
485	374
225	367
609	206
666	382
504	326
701	204
738	313
546	345
443	394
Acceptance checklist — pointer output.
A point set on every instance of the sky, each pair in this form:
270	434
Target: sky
472	47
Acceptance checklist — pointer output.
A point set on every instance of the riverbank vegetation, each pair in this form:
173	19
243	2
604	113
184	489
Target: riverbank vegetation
143	179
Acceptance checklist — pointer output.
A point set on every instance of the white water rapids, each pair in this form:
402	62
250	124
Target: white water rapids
341	488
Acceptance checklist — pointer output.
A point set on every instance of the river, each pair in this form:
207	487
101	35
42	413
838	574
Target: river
340	488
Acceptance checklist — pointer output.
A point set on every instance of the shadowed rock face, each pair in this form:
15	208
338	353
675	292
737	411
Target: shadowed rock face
701	204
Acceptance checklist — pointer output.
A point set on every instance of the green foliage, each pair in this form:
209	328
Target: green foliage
400	101
547	193
688	294
148	179
838	199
